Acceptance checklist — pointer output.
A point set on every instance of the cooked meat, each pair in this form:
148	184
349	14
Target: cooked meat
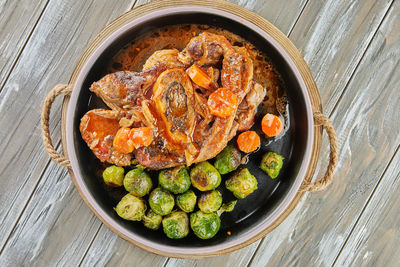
98	128
247	109
166	57
164	98
124	90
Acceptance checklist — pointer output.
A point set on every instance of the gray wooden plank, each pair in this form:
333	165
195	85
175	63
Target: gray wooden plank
284	15
48	58
368	138
332	36
17	21
375	241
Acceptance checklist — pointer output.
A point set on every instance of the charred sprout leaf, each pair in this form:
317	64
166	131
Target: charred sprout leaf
161	201
205	177
131	208
205	225
210	201
175	180
186	201
272	163
228	160
152	220
176	225
113	176
227	207
242	183
138	182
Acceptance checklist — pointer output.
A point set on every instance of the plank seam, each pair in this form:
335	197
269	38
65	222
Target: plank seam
359	62
298	17
7	76
90	244
367	203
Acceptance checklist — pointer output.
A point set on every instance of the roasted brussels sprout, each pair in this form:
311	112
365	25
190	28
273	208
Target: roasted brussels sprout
228	160
161	201
113	176
175	180
131	208
138	182
205	225
227	207
242	183
205	177
186	201
152	220
210	201
272	163
176	225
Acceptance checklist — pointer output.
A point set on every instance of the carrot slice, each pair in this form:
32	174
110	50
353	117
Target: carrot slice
271	125
248	141
199	77
122	142
142	136
222	102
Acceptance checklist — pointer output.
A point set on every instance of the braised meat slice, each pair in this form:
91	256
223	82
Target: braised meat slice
166	57
98	128
124	90
247	109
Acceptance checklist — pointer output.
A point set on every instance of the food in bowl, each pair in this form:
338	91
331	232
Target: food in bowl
182	109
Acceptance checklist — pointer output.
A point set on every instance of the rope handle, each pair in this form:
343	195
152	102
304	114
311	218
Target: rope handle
59	89
322	183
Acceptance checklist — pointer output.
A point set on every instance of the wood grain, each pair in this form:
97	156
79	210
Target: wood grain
17	21
375	240
367	141
64	31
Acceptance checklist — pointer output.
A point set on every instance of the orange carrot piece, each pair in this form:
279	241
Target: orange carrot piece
222	102
199	77
248	141
142	136
271	125
122	143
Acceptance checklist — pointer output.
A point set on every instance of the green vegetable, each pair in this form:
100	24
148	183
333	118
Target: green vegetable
242	183
272	163
113	176
176	225
205	177
186	201
205	225
227	207
210	201
131	208
152	220
161	201
228	160
138	182
175	180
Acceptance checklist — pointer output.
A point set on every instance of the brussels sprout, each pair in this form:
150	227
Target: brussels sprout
176	225
131	208
227	207
186	201
138	182
152	220
228	160
205	177
205	225
113	176
210	201
175	180
161	201
242	183
272	163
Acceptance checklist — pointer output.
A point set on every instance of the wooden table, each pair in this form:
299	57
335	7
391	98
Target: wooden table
353	50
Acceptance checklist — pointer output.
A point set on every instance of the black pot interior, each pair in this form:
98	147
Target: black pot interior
248	212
